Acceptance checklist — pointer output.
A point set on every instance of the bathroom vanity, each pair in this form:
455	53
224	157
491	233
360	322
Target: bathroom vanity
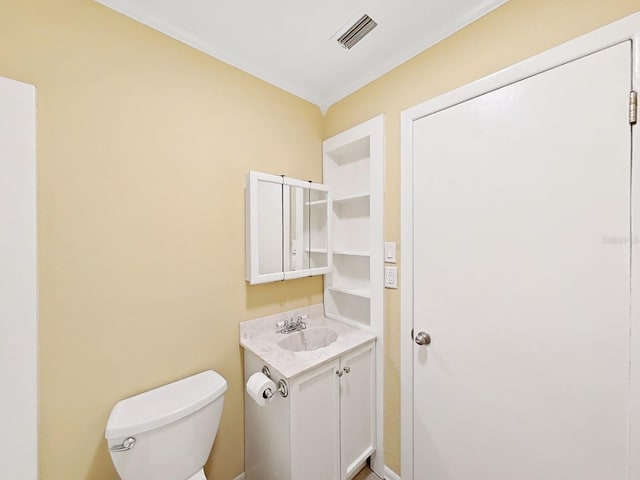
324	427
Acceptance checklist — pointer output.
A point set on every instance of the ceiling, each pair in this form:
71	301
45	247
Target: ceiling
293	43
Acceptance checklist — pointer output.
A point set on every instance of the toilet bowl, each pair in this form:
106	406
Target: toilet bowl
167	433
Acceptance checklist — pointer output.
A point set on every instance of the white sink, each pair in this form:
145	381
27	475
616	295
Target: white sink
307	340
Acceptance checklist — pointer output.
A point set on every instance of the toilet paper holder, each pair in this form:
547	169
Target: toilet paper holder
283	387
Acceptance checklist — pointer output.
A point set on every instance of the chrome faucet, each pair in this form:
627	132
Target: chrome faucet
288	326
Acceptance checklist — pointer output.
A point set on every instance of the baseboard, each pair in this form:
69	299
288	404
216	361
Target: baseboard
390	474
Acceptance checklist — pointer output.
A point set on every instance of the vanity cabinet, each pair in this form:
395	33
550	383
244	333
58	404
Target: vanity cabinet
323	430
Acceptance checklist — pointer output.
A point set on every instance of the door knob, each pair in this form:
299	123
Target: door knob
423	338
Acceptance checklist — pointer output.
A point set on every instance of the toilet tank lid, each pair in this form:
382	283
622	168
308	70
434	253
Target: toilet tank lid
163	405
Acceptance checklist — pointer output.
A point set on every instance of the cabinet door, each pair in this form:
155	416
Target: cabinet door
319	220
357	407
315	424
264	230
307	229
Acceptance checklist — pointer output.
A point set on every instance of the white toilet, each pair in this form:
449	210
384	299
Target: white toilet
167	433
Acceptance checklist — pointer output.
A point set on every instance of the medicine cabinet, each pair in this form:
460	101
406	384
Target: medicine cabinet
287	228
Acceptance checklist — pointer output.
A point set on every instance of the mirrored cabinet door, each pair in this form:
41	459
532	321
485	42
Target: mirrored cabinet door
296	263
308	234
319	222
264	228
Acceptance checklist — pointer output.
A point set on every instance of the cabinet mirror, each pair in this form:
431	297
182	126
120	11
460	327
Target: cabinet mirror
287	228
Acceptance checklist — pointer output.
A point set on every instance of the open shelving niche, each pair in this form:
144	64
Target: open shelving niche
353	169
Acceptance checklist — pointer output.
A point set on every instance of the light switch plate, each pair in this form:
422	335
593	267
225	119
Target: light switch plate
390	277
390	252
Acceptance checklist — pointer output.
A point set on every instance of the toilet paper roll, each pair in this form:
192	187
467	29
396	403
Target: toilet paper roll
257	386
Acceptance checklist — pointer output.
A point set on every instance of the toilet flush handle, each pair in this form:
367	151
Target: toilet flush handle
125	446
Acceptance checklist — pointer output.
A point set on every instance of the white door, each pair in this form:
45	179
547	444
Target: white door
18	294
521	277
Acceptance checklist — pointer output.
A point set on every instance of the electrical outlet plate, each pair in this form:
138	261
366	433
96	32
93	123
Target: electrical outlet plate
391	277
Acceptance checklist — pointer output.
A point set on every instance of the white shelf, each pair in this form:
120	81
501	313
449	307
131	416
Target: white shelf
353	253
316	202
351	290
350	151
349	321
316	250
349	198
354	311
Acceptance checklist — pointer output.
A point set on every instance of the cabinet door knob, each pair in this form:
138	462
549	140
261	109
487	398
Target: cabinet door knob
339	373
347	369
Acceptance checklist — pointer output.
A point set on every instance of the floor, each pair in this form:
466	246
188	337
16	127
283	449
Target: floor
366	474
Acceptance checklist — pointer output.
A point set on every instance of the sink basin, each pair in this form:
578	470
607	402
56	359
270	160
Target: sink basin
308	340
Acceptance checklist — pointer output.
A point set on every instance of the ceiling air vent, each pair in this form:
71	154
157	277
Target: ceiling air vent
357	31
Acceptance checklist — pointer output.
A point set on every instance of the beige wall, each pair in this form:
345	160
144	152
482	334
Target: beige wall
143	146
515	31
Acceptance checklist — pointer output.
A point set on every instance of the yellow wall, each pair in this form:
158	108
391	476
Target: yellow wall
143	146
515	31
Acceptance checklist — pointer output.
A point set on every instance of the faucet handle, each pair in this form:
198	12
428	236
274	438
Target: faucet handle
302	318
281	324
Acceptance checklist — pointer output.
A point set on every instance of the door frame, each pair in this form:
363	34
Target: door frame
626	29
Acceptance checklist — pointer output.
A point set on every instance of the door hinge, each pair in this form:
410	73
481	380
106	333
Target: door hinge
633	107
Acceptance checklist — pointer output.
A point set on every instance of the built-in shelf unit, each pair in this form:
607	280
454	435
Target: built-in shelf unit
353	170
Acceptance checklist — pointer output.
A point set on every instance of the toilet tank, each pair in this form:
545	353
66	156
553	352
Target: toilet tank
174	427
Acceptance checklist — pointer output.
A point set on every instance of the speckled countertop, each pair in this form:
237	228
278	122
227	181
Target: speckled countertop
260	336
